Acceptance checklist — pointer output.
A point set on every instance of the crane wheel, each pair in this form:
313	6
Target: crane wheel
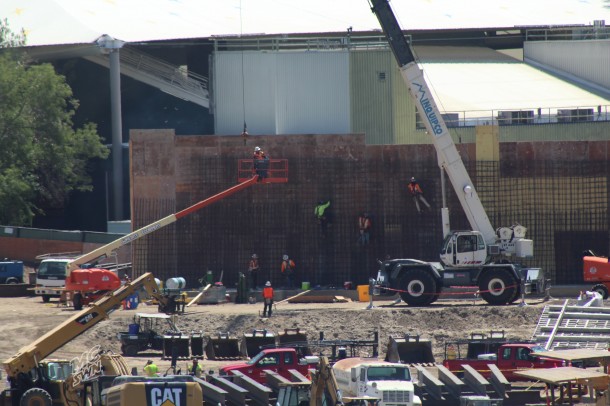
418	287
601	289
36	397
498	286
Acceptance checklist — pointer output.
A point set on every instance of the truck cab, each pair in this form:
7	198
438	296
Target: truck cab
11	272
279	360
509	358
464	248
389	383
51	277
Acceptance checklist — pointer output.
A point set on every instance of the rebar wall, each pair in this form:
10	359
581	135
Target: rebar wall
563	204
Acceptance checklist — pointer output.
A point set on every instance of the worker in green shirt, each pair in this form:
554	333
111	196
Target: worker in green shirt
195	368
151	369
322	215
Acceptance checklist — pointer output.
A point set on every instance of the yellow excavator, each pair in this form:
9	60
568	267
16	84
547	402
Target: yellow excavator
324	389
37	381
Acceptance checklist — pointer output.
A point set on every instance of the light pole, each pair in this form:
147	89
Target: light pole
111	47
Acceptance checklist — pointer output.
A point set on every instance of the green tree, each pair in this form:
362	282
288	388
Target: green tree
42	158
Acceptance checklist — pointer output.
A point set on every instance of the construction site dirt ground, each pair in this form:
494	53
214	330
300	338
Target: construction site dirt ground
25	319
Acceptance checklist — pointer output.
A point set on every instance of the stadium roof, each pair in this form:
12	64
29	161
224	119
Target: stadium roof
478	80
52	22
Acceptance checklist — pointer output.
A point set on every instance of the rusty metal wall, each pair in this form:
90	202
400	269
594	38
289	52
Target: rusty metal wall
563	203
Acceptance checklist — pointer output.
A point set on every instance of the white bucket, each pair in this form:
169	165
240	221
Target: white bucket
175	283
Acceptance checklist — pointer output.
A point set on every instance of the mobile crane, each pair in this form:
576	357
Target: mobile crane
472	257
31	379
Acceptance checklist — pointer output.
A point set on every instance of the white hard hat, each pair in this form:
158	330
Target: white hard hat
268	283
254	256
285	257
257	148
412	179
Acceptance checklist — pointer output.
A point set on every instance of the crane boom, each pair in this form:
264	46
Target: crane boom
107	249
448	155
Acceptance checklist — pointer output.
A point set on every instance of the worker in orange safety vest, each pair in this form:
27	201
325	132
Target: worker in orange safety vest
267	299
288	269
417	194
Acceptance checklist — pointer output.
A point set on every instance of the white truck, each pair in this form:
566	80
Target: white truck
387	382
51	277
480	257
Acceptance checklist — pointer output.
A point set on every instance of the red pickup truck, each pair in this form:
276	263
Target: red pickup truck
279	360
509	358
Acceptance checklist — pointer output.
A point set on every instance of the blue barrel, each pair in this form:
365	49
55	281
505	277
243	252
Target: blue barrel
134	329
134	300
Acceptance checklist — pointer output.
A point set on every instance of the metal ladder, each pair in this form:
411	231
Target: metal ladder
569	326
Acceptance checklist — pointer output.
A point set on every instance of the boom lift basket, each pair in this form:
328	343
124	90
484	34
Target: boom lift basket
294	337
222	347
409	350
254	341
277	171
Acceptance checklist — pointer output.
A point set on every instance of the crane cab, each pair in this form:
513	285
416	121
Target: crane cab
464	249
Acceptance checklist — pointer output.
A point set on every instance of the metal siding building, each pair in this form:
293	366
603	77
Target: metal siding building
361	91
284	92
567	57
371	95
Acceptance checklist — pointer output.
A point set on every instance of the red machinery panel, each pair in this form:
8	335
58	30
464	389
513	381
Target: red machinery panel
596	269
90	280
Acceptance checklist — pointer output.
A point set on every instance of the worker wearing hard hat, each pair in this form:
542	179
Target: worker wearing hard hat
417	194
267	299
288	268
261	163
195	369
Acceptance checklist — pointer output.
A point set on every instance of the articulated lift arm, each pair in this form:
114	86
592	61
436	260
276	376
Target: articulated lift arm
28	357
324	388
109	248
448	155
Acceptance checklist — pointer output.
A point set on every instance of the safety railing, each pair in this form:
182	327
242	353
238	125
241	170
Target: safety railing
529	116
275	171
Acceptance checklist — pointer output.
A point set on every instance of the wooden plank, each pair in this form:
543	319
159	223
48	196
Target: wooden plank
319	299
578	354
560	375
196	298
292	297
